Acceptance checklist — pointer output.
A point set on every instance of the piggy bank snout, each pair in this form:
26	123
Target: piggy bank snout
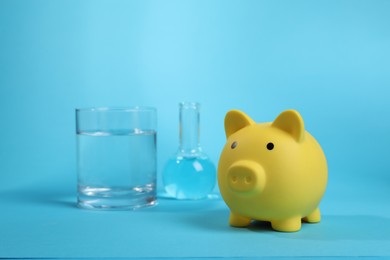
245	176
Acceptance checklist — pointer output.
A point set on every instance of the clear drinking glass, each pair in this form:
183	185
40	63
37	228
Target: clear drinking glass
116	157
189	174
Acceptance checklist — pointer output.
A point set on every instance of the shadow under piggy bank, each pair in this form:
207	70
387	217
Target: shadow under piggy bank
331	227
336	227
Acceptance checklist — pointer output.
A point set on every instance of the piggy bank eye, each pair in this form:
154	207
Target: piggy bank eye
270	146
234	145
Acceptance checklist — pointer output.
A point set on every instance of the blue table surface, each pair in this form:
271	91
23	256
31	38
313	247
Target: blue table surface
38	220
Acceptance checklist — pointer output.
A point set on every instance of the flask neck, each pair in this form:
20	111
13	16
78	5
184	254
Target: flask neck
189	128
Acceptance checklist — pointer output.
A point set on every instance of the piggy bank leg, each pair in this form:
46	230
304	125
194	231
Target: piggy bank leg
238	220
287	225
313	217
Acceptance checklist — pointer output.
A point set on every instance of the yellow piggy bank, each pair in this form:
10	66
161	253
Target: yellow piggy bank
274	172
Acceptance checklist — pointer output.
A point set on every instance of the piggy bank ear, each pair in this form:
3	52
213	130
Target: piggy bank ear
291	122
236	120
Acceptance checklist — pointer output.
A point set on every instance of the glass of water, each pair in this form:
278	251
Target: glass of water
116	157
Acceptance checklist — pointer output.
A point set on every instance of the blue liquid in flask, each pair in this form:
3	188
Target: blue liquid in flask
189	177
190	174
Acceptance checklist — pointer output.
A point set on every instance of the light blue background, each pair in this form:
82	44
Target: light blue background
330	60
